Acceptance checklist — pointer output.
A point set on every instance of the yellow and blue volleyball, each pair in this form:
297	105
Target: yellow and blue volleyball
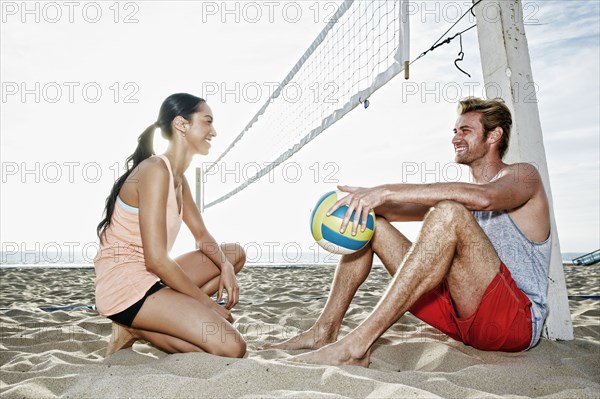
326	229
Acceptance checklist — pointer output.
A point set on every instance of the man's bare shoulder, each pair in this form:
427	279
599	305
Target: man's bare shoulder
523	172
532	216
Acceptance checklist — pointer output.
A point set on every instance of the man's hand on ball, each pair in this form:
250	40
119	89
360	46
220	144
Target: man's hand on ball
361	201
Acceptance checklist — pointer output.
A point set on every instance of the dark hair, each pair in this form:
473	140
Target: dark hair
494	113
179	104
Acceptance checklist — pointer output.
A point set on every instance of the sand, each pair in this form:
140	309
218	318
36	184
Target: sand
60	353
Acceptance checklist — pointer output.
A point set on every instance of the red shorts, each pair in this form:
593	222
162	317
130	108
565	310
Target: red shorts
502	322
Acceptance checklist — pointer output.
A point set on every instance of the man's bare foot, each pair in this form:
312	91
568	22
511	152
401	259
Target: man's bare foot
121	338
313	338
334	354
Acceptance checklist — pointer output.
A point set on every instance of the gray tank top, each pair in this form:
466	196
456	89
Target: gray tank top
527	261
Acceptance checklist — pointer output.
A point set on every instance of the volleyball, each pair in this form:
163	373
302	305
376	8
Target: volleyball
326	229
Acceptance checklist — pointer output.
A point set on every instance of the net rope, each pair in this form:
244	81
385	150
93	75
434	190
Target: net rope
362	47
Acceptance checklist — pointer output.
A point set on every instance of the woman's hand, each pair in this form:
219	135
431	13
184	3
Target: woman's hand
228	282
361	201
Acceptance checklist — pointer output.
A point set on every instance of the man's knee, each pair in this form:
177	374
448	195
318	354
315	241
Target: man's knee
451	209
382	223
382	229
388	239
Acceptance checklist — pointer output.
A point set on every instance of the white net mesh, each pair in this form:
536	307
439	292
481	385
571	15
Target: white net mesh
365	44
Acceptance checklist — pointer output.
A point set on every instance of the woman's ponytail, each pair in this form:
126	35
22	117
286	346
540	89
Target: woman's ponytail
144	150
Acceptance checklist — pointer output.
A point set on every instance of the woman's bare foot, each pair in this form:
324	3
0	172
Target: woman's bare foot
121	338
313	338
334	354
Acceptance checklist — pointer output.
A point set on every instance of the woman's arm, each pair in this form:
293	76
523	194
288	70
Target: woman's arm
152	188
209	246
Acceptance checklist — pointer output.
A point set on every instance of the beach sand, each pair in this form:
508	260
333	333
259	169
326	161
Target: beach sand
61	353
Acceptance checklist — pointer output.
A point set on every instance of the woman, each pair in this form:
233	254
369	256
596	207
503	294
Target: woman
147	294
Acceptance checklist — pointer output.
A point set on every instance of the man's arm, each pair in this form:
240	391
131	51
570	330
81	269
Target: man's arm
516	185
401	212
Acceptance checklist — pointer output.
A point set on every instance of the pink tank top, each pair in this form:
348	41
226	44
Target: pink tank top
121	275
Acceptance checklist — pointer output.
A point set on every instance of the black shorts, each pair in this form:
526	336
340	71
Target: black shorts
126	316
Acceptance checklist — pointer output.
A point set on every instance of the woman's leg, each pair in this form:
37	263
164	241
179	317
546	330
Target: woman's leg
203	272
175	322
124	337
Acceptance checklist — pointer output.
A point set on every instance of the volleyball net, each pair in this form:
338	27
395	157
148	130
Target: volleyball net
363	46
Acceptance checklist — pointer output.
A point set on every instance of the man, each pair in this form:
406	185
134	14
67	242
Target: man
478	269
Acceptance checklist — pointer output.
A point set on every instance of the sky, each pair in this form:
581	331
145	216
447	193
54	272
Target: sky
81	80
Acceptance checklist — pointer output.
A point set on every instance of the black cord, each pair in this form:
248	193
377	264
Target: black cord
461	56
436	44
